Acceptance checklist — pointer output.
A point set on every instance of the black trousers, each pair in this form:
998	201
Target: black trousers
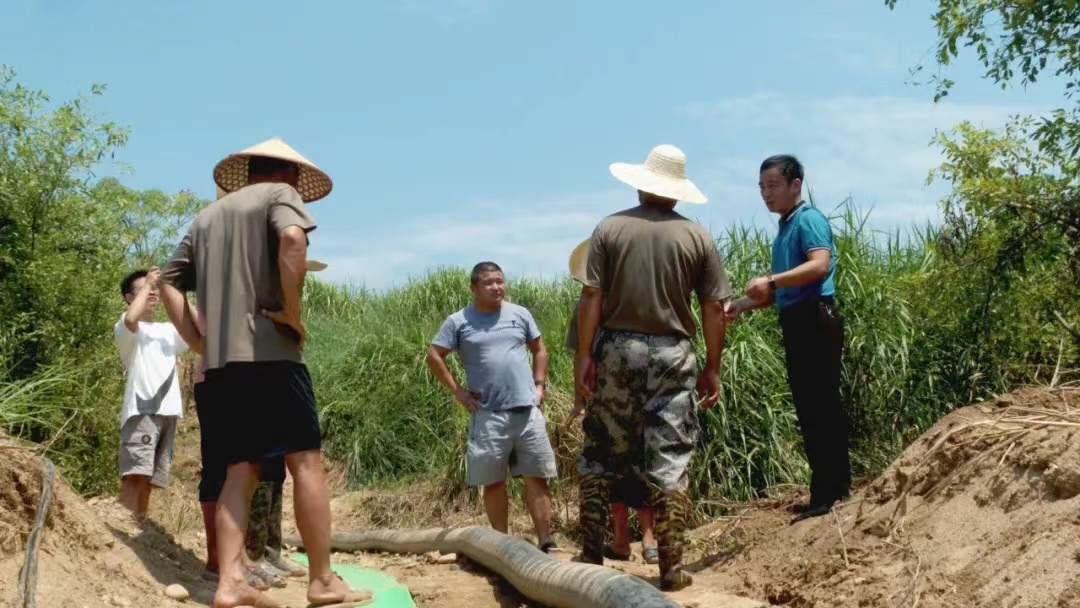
813	344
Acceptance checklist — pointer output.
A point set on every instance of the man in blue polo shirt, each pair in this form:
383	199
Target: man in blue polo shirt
801	287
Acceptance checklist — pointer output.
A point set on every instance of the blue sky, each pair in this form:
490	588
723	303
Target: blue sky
462	130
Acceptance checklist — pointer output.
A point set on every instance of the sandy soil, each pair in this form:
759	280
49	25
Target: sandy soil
983	510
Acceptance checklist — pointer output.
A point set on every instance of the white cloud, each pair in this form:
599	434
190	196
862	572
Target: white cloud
524	237
875	149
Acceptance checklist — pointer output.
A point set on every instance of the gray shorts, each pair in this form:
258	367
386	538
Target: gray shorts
146	447
515	439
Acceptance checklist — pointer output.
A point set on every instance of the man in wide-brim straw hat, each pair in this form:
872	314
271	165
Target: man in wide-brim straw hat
639	374
245	258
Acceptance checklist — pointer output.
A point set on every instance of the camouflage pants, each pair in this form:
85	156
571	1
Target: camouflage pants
264	520
640	430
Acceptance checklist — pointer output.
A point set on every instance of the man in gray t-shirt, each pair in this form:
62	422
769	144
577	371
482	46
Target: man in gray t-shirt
503	395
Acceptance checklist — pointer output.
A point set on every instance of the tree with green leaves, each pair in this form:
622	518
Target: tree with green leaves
1010	244
65	237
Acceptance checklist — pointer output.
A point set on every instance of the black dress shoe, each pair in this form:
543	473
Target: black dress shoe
814	510
800	508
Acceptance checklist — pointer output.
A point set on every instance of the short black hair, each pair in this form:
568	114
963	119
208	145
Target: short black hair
788	165
127	285
481	268
264	165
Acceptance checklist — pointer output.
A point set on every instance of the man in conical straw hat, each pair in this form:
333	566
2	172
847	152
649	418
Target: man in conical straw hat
636	361
248	282
619	549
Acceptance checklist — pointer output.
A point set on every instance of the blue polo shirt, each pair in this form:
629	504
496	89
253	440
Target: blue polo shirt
802	230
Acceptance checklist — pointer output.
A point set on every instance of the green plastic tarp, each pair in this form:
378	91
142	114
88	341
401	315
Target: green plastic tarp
389	593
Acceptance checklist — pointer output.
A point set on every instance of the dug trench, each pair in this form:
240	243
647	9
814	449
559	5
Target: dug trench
982	510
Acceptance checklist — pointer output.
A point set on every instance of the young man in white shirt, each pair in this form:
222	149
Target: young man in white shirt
152	403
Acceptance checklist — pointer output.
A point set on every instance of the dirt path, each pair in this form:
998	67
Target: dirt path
981	511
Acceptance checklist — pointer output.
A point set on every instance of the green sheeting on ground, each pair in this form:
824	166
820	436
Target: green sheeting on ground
389	593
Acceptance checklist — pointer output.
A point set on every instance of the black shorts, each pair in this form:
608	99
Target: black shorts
254	412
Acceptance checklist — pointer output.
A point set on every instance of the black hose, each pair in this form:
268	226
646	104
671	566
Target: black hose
28	572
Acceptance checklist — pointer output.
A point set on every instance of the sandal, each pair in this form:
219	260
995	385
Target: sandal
651	555
263	571
250	578
263	602
612	554
352	599
287	566
549	546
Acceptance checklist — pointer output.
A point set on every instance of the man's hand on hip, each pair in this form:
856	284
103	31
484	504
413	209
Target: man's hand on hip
467	399
292	321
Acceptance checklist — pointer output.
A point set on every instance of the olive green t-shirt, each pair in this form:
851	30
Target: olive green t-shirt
229	258
646	261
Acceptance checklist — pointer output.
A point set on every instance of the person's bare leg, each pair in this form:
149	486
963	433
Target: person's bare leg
538	504
131	493
231	523
497	506
647	519
620	524
144	497
208	515
311	504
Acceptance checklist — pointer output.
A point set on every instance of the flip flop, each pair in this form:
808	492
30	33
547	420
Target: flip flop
610	553
263	602
250	578
352	599
264	571
287	566
549	546
651	555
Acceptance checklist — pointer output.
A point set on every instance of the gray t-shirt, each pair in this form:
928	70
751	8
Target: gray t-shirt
229	259
493	350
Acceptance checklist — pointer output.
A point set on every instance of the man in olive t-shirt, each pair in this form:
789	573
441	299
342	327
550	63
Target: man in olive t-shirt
245	258
643	264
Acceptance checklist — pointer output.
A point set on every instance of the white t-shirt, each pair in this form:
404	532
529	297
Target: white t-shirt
149	356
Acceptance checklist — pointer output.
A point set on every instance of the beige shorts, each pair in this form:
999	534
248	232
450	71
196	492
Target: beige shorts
146	447
514	439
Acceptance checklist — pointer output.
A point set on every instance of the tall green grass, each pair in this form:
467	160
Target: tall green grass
388	419
918	343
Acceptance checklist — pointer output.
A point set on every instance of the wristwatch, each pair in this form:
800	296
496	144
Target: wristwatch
540	383
772	284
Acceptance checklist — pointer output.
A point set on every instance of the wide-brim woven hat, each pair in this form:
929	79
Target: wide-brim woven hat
231	174
316	265
663	173
579	261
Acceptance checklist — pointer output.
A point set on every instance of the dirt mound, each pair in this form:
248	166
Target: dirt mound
89	555
983	510
21	475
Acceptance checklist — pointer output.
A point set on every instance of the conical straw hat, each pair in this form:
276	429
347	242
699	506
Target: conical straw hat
316	265
579	261
663	174
231	174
